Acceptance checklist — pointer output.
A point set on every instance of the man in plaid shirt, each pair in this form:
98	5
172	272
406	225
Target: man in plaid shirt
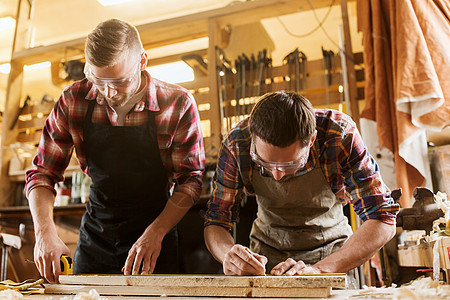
303	165
139	139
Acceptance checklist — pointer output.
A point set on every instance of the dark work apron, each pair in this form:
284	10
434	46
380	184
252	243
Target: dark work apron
299	218
129	190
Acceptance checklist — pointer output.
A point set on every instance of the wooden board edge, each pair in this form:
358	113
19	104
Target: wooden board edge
335	280
64	289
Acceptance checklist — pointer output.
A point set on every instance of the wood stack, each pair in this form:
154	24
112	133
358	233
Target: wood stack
201	285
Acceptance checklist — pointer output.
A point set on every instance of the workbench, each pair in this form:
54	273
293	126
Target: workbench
336	294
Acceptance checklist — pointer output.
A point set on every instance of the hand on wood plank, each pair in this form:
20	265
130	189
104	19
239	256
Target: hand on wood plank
292	267
241	261
144	252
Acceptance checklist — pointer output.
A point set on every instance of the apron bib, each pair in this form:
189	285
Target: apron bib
299	218
129	190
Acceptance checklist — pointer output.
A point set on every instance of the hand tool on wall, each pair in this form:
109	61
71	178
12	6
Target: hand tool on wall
303	60
328	65
287	61
245	64
222	69
296	61
262	58
237	85
27	100
269	69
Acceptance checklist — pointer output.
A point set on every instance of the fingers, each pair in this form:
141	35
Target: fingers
141	256
239	261
49	267
286	266
261	258
129	262
137	262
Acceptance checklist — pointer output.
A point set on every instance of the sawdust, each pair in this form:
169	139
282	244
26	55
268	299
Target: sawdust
10	295
92	295
421	288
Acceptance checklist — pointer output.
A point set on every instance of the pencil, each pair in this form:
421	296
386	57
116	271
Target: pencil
251	253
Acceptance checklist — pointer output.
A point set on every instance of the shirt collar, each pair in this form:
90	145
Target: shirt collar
150	100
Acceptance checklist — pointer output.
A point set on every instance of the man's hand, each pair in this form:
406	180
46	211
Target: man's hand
144	252
240	261
47	253
291	267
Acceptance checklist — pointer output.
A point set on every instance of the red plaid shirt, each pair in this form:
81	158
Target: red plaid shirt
178	129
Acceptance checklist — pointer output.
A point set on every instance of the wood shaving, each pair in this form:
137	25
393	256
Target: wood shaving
419	289
423	288
10	295
92	295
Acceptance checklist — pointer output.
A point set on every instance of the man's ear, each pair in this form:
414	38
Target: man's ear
143	62
313	138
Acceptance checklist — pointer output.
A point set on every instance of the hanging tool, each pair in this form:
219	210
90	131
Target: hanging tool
328	66
287	61
269	70
245	63
296	61
251	80
25	104
303	60
237	83
222	68
261	64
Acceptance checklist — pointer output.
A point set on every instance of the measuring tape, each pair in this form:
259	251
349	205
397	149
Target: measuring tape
66	265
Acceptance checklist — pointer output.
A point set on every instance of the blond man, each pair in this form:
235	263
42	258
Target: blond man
139	140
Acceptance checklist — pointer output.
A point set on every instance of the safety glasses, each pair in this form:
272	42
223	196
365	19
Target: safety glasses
115	83
287	167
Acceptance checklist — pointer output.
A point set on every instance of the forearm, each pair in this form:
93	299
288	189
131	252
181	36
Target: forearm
218	241
177	206
41	202
360	247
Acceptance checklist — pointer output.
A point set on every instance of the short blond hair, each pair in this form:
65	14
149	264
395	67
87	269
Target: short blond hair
109	41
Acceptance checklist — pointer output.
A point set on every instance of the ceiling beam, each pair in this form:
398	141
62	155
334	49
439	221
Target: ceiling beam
178	29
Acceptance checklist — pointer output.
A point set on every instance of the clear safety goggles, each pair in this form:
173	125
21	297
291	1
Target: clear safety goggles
114	83
287	167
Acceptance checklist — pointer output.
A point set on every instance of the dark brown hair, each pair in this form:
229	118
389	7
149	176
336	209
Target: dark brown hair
110	40
282	118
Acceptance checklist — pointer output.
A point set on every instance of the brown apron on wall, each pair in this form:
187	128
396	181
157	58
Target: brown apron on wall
300	218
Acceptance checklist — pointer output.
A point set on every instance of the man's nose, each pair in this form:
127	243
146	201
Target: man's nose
110	91
277	174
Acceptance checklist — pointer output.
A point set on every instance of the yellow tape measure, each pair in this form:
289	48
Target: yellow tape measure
66	265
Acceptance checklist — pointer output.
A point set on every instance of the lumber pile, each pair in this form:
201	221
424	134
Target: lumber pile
201	285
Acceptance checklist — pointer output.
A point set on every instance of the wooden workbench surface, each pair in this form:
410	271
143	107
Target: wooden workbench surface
335	294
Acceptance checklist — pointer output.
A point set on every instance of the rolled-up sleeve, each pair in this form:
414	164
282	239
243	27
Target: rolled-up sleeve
55	149
227	193
369	195
188	153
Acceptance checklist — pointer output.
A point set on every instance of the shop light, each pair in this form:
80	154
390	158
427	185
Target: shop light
112	2
175	72
7	23
5	68
42	65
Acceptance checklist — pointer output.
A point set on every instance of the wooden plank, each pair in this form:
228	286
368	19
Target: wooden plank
318	280
206	291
